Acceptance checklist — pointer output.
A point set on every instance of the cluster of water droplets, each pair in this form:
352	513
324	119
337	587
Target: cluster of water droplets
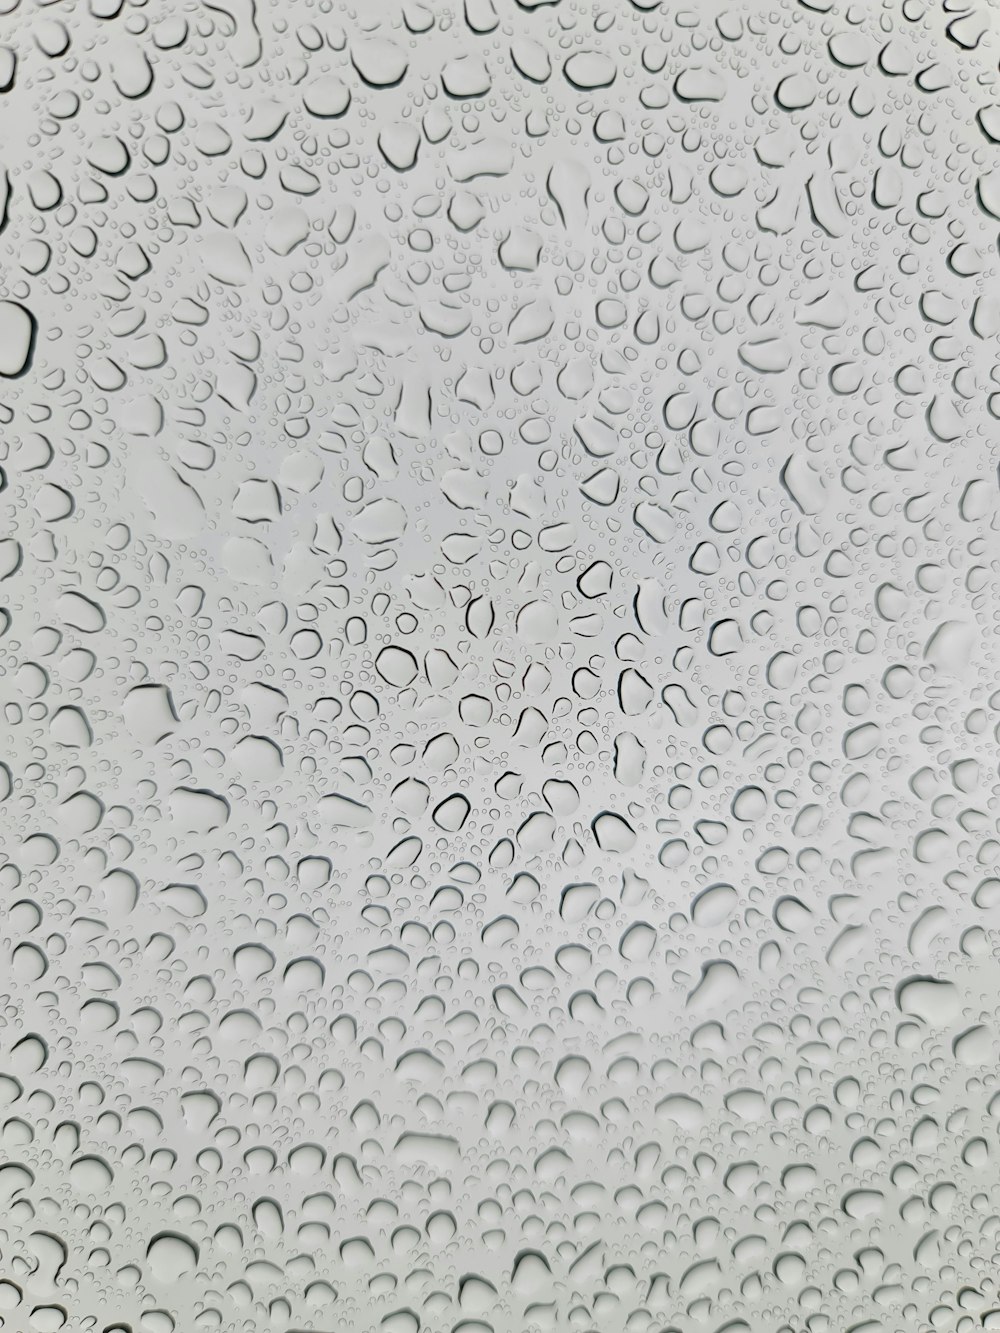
498	656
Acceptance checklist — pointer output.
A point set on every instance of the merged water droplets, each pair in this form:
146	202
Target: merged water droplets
498	613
